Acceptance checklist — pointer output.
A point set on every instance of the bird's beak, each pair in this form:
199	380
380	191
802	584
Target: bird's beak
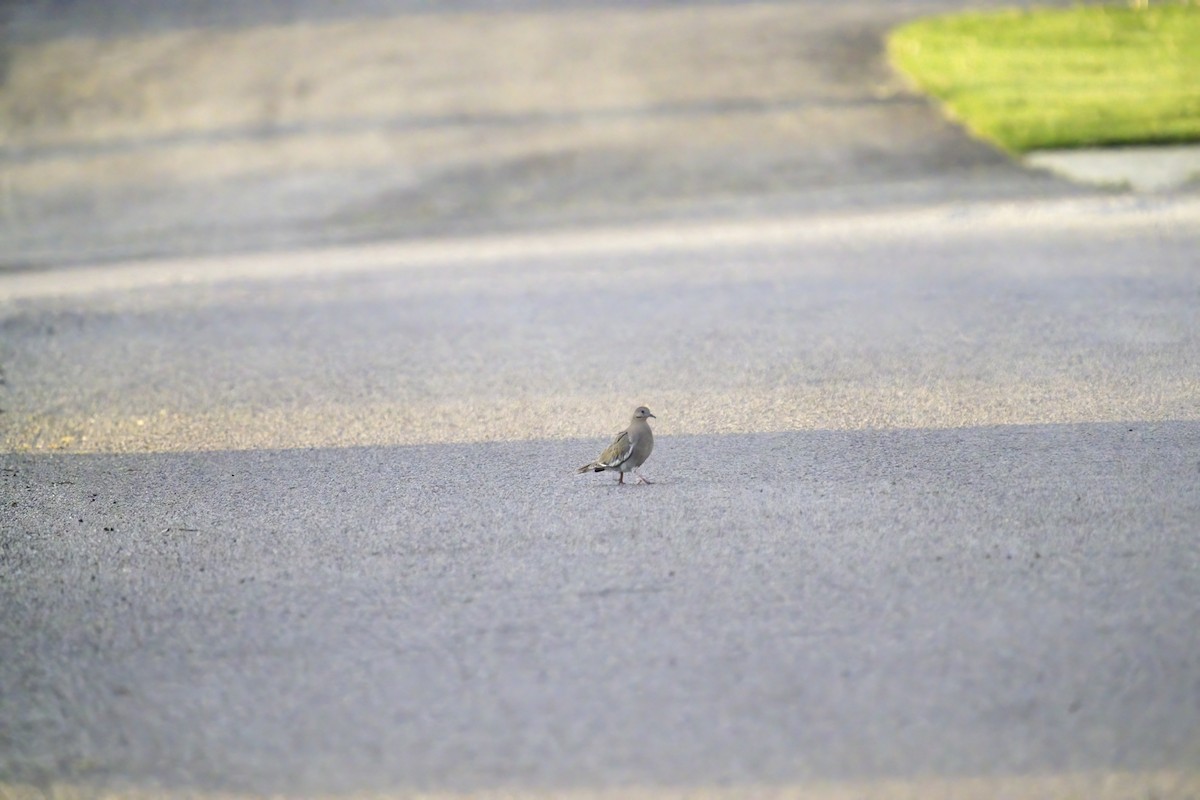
652	416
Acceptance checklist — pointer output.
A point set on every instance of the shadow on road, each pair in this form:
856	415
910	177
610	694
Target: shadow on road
778	609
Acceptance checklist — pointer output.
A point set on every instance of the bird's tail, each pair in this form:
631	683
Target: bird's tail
586	468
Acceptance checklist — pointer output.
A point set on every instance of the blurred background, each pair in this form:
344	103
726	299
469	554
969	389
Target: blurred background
131	128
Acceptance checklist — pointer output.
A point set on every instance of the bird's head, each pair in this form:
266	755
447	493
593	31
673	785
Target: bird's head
641	412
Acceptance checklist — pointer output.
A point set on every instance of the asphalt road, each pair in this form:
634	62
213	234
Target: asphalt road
133	129
926	505
303	521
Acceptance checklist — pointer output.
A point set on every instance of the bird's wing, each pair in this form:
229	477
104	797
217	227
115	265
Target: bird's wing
618	452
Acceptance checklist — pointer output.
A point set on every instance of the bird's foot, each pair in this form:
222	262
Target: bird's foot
643	480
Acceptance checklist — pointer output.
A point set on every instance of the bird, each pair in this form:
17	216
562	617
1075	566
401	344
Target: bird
629	450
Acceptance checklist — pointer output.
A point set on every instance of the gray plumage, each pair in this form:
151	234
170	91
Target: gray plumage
629	449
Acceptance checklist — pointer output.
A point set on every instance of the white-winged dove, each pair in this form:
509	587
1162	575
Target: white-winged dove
629	450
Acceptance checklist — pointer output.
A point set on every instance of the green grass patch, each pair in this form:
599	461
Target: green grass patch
1057	78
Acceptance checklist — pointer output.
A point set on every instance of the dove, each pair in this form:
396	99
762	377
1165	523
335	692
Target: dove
629	450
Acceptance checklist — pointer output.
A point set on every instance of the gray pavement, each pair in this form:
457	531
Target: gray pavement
302	521
135	129
1144	169
924	521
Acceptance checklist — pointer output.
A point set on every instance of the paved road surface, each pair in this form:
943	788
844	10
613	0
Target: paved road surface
304	522
926	509
185	127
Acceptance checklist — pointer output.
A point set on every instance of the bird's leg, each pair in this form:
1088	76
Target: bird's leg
621	478
641	479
